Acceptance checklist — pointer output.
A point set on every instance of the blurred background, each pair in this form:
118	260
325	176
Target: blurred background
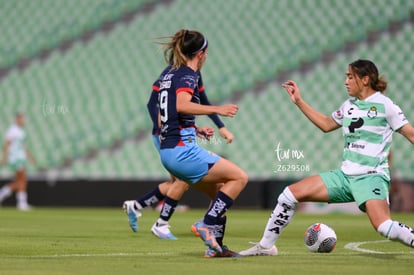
82	71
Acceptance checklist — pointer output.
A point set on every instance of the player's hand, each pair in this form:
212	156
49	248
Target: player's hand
226	134
205	132
293	90
229	110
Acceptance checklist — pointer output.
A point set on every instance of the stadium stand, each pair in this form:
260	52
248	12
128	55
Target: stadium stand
30	27
86	106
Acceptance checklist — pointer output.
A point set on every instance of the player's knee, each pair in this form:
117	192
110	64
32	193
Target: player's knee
240	180
244	178
21	185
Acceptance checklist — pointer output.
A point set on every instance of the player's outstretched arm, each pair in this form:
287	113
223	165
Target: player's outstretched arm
5	152
408	132
323	122
30	156
185	106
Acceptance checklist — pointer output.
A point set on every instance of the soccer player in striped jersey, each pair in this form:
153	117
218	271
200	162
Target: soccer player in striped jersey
368	119
16	154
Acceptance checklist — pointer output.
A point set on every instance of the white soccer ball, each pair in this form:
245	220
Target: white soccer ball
320	238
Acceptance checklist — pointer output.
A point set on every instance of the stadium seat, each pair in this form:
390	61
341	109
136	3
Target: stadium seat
93	96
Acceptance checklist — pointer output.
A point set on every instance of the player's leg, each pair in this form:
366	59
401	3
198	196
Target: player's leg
176	191
161	228
202	166
379	214
133	208
234	180
309	189
21	190
5	192
158	193
209	189
8	189
155	195
371	194
224	171
220	228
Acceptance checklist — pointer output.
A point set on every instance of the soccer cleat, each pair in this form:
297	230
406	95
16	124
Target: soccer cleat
206	234
194	230
258	250
24	207
162	231
132	213
227	253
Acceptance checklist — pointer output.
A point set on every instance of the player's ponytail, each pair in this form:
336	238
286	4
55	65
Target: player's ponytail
380	85
367	68
183	46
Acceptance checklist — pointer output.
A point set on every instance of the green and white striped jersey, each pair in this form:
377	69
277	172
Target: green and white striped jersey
367	127
17	151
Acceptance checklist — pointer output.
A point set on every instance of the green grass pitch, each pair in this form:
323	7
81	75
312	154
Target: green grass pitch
99	241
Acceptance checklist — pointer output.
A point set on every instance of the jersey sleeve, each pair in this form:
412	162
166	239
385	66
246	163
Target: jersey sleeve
186	83
395	116
338	115
152	106
200	84
10	134
214	117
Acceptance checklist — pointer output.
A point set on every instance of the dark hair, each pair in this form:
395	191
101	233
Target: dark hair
363	68
183	45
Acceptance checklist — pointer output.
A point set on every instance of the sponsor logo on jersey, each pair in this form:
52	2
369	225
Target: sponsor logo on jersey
376	191
338	114
357	146
165	84
355	124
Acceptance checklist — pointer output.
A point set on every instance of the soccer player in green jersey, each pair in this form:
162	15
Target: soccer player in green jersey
16	155
368	119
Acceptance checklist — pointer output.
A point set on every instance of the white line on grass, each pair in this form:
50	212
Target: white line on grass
356	247
91	255
351	246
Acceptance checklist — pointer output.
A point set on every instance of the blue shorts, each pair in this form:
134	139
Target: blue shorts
156	139
189	163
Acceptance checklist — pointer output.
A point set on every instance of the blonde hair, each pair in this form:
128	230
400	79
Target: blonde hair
183	46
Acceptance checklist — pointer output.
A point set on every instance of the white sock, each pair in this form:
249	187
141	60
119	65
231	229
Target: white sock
397	231
161	222
21	198
5	192
280	218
